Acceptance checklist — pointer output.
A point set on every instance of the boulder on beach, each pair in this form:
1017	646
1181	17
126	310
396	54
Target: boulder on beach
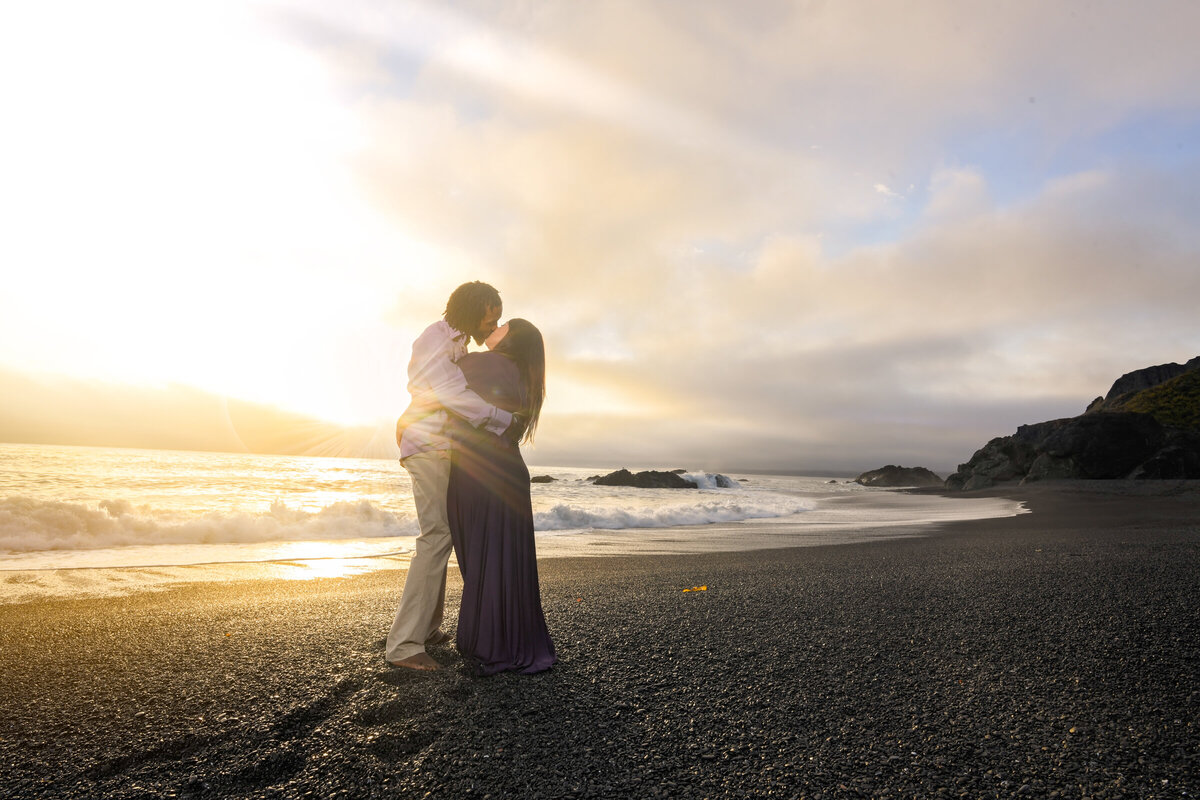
894	476
648	479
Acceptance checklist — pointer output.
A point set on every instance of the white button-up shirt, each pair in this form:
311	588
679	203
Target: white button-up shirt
437	385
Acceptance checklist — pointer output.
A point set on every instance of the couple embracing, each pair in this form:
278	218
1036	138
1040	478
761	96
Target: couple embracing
460	442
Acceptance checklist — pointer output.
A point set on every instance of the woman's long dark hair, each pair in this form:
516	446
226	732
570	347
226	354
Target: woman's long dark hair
523	344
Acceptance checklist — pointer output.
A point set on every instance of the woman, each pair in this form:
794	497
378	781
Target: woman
500	624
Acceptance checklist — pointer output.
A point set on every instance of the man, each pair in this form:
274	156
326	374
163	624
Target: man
438	388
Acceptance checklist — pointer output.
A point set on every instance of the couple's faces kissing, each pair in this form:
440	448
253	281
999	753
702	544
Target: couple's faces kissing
487	326
496	335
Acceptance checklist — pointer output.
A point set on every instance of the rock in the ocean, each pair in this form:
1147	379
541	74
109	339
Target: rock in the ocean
649	479
892	475
541	479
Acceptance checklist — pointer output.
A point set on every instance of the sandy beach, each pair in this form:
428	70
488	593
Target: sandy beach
1050	654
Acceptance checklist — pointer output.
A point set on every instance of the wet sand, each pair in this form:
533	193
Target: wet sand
1055	653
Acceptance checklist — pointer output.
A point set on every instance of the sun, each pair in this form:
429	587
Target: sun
181	207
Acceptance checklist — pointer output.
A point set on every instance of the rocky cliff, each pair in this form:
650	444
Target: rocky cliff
1134	383
1147	426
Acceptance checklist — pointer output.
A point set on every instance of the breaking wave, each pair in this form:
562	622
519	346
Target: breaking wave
710	480
703	512
28	525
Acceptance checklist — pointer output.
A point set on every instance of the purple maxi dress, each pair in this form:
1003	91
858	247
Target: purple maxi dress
500	624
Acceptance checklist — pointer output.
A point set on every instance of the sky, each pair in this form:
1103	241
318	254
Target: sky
812	236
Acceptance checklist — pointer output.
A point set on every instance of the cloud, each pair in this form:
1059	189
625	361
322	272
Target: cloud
957	194
965	330
700	207
688	283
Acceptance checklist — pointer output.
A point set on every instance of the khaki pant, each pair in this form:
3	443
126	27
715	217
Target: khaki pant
424	598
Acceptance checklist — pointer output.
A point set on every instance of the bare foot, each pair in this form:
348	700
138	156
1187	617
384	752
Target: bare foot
439	637
420	661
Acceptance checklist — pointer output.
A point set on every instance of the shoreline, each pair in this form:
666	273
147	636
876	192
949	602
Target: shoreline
1055	651
834	520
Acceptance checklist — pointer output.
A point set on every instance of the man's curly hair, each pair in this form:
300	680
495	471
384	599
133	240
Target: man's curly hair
468	304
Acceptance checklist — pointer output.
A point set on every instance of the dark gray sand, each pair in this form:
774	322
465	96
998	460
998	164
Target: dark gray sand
1052	654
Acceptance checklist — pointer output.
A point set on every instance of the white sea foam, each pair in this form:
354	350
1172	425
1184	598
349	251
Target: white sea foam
704	511
28	524
709	480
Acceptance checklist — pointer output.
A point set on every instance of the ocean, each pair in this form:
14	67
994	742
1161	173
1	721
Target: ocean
88	508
